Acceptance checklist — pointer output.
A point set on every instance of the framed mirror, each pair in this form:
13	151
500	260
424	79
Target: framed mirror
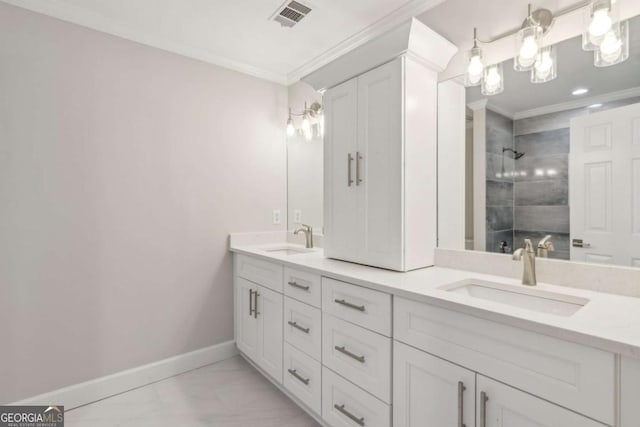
559	159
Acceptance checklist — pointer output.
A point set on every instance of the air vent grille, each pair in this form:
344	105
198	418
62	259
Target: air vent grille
290	13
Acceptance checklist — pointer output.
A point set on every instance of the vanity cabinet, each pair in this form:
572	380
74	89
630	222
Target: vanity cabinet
258	316
380	167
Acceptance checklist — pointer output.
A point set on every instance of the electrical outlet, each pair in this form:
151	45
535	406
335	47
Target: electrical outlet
276	216
297	216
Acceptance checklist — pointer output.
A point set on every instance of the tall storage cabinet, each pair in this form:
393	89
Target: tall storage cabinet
380	167
380	160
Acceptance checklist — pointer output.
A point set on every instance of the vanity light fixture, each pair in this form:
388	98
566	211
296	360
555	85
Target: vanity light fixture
475	66
605	34
580	91
310	114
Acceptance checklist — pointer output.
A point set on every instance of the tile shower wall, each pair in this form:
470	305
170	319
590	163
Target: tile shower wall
500	186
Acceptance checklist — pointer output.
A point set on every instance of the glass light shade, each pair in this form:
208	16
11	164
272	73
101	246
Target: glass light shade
321	125
290	129
614	47
600	17
475	67
546	65
528	43
493	80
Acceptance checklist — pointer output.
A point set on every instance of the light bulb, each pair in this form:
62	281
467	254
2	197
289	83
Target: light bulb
611	47
475	69
528	51
290	129
321	124
544	65
306	124
493	79
600	24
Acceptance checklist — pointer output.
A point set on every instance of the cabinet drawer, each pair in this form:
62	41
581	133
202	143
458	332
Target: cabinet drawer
365	307
574	376
302	327
359	355
346	405
267	274
302	286
507	407
302	377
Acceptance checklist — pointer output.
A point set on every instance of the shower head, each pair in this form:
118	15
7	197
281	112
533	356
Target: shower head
516	154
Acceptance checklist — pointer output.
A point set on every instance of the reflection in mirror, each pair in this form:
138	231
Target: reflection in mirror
560	158
304	162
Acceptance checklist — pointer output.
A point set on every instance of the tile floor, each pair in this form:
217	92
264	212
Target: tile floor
227	394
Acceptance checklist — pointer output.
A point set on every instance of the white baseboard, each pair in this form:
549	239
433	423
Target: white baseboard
100	388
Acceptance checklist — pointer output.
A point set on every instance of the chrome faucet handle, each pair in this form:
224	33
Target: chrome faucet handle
545	245
517	254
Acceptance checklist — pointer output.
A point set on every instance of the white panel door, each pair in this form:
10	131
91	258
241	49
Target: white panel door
246	322
340	146
605	186
269	306
429	391
499	405
379	177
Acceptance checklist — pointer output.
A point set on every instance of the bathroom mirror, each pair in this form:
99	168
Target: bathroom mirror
304	163
560	158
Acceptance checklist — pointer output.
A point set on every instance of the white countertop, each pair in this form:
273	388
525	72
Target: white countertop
608	322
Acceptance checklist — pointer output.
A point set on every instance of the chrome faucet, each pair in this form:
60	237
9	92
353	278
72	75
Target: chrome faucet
529	273
545	246
308	235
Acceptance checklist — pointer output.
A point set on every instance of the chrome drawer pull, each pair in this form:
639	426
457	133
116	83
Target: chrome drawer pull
348	304
483	409
349	160
295	285
255	304
340	408
297	376
251	302
298	327
461	389
348	353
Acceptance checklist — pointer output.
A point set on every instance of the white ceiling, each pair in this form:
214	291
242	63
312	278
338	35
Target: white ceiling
237	33
575	69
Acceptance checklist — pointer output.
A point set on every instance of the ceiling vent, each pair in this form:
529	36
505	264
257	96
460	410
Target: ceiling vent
290	13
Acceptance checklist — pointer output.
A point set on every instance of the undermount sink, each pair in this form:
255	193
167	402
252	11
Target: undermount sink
512	295
289	250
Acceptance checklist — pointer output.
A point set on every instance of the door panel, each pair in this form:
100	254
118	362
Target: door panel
380	149
605	186
508	407
340	202
247	324
426	390
270	339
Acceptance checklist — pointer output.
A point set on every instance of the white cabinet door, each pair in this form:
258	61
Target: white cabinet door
269	306
379	166
428	391
499	405
340	140
246	322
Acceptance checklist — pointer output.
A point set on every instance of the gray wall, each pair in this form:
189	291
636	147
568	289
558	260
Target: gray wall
122	170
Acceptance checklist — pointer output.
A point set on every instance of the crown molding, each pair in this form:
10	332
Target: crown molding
75	15
389	22
500	111
578	103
